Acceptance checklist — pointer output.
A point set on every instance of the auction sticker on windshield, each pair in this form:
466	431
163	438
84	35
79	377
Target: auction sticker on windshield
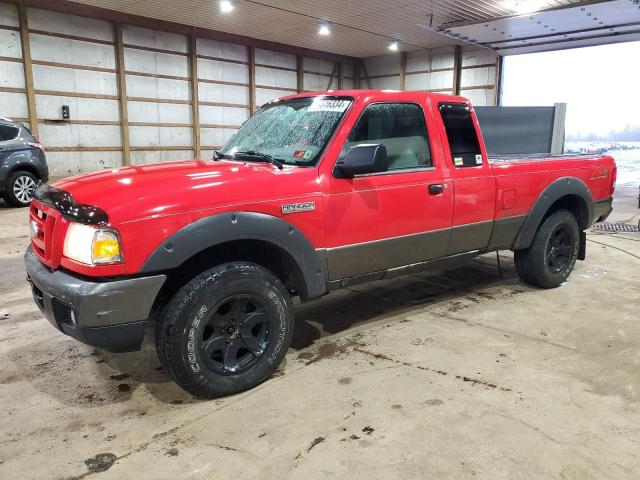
329	105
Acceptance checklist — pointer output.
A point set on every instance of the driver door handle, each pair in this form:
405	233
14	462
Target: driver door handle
436	189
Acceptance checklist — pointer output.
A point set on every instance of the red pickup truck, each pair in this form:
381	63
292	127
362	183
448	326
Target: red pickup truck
314	192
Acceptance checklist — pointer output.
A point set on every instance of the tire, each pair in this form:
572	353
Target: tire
552	255
20	187
226	330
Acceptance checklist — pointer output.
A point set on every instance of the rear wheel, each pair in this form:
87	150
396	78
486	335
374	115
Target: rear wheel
553	252
226	330
20	187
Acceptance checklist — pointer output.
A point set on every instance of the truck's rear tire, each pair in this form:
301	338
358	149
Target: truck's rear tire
225	331
552	255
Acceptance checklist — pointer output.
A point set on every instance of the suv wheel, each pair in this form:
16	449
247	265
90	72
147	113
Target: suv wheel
226	330
553	252
20	187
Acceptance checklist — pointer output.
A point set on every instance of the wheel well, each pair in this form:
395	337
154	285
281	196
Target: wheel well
25	168
263	253
576	205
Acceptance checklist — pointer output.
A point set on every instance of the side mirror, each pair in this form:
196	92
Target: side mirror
362	159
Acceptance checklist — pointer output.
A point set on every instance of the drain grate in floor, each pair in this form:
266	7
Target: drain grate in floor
615	227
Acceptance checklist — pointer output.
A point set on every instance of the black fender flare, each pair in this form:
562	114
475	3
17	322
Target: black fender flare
555	191
229	226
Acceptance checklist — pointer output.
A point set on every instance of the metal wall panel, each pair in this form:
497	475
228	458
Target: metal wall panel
75	52
63	164
159	112
54	22
13	105
84	109
140	157
9	15
11	75
73	80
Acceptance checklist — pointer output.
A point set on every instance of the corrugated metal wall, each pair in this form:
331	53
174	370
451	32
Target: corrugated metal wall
434	70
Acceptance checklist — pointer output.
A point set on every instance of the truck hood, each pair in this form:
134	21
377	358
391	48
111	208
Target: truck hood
143	191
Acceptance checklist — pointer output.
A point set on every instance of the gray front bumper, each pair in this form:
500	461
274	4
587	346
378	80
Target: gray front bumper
106	314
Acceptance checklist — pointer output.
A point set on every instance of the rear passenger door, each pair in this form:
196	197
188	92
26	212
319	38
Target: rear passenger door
390	219
473	179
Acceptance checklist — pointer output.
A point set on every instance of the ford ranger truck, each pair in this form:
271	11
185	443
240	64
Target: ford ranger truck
315	192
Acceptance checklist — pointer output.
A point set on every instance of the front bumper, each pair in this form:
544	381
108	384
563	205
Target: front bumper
111	315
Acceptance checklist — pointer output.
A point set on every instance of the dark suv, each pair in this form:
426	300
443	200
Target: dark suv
22	163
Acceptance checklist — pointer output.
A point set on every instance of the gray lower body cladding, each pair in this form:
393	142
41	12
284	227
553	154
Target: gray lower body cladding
108	314
367	260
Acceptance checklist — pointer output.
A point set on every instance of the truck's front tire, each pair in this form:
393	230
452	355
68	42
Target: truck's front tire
226	330
553	252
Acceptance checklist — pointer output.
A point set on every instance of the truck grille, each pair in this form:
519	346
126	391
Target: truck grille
44	234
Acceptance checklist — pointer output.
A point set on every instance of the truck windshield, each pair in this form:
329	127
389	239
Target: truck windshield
293	132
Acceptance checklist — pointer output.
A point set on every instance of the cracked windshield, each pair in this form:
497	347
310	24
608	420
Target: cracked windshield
293	132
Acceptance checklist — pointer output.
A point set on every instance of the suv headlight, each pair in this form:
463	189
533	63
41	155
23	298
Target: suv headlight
92	245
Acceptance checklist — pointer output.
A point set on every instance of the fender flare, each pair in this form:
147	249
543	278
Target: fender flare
556	190
229	226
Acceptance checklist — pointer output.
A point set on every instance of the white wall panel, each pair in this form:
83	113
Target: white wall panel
216	136
151	87
212	92
348	70
141	158
472	77
442	80
10	44
146	37
70	135
480	97
278	59
217	70
9	15
214	48
13	105
223	115
418	60
50	106
160	136
74	80
75	52
264	95
315	82
477	57
442	58
383	64
318	65
348	83
62	164
158	63
275	78
159	112
385	83
417	81
11	75
49	21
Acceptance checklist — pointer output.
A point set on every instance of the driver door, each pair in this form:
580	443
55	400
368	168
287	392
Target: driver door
395	218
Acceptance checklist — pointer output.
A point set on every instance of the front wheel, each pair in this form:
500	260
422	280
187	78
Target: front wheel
553	252
225	331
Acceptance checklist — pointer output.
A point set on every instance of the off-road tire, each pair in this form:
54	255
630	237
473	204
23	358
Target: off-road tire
537	265
20	176
192	318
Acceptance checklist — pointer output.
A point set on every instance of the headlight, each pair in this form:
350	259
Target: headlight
92	245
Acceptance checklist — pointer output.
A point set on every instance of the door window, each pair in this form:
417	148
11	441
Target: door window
461	133
400	127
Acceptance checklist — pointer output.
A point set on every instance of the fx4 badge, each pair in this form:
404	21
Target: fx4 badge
298	207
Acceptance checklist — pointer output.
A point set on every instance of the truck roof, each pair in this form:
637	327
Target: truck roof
408	95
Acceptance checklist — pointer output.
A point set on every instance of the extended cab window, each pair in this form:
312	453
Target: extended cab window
398	126
461	133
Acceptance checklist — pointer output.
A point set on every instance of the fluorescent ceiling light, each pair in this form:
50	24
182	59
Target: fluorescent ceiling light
226	6
324	29
393	46
524	6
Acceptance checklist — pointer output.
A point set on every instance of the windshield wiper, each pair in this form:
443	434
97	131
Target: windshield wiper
250	156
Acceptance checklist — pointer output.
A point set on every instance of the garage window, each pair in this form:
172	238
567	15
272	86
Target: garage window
461	133
7	133
400	127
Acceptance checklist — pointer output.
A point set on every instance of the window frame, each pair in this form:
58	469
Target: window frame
417	168
469	108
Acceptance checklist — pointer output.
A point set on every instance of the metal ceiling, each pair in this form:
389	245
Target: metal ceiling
360	28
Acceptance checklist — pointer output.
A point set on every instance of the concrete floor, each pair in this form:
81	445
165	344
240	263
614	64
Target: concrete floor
457	374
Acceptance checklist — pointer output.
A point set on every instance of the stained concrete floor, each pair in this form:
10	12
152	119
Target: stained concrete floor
456	374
